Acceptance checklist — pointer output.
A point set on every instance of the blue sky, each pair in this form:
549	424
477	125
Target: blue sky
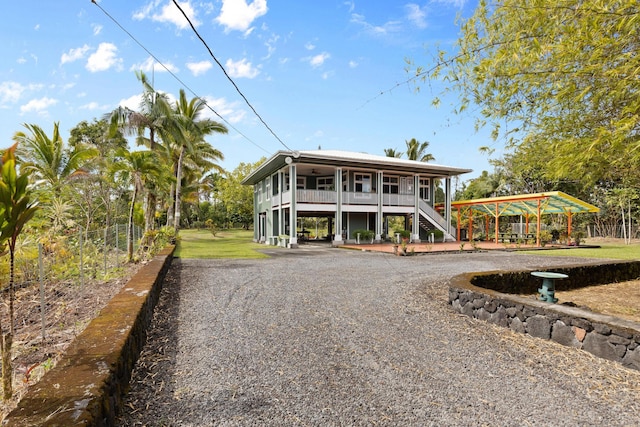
313	70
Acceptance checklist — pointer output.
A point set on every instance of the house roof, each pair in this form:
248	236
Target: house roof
352	160
550	202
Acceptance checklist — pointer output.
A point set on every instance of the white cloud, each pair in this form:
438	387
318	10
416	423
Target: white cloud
239	15
38	105
327	74
21	60
416	15
94	106
150	64
67	86
146	10
455	3
198	68
229	111
353	64
74	54
97	29
169	13
132	103
351	5
318	60
241	68
309	46
271	45
10	92
104	58
377	30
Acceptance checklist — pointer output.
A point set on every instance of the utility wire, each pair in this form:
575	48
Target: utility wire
227	75
177	78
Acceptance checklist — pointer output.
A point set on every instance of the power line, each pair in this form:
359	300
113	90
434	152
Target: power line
227	75
176	77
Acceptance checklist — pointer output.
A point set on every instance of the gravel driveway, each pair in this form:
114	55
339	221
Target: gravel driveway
330	337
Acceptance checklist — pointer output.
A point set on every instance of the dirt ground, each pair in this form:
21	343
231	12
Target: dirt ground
69	309
618	299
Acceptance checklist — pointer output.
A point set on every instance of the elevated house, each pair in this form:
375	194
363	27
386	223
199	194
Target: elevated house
352	190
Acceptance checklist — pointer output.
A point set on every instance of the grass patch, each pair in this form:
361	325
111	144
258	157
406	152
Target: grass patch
617	299
226	244
606	250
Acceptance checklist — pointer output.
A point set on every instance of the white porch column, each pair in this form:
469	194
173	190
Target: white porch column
415	227
447	204
281	191
379	216
293	215
256	214
337	237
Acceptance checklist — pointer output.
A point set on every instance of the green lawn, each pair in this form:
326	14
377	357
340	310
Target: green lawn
607	250
226	244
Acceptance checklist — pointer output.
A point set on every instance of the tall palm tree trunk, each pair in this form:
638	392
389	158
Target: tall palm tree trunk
170	209
130	225
150	212
178	207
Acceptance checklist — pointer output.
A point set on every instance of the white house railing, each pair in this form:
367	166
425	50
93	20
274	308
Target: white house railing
316	196
348	198
398	199
351	198
437	218
286	197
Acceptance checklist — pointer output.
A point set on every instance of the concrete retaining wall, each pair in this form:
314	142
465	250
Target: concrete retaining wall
604	336
87	385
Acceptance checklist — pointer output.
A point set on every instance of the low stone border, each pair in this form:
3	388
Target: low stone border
604	336
87	385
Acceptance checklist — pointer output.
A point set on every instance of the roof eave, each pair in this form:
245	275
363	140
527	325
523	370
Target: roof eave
278	160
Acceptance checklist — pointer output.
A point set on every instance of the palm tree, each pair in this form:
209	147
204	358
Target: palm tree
417	151
391	152
192	144
136	168
47	158
210	183
156	116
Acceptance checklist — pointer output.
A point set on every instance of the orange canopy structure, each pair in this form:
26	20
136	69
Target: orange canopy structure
526	205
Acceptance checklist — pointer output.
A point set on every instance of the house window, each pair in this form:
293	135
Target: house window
274	184
325	183
345	182
390	185
268	188
286	185
301	183
425	189
362	182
